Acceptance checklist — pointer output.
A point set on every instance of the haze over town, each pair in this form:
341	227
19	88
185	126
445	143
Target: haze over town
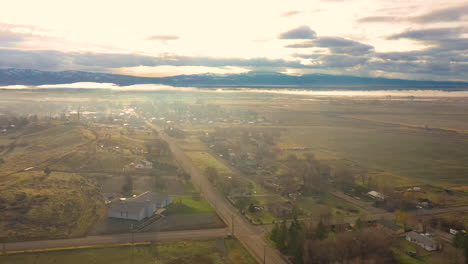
324	131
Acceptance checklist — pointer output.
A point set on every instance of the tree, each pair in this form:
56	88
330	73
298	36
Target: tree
211	173
242	202
295	241
127	188
47	171
274	233
460	241
344	177
321	231
282	236
402	217
359	224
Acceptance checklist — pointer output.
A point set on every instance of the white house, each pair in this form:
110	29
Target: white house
144	164
376	195
422	240
139	207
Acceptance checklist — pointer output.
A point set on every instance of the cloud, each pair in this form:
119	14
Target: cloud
378	19
446	45
101	62
11	37
333	60
163	38
336	45
429	34
166	70
446	61
102	86
451	14
443	15
291	13
47	60
302	32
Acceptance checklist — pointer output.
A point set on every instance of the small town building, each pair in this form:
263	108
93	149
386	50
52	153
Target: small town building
144	164
422	240
139	207
74	116
376	195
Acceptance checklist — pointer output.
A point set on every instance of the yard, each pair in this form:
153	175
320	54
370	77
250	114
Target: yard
317	203
203	160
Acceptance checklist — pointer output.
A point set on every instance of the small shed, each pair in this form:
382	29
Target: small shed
376	195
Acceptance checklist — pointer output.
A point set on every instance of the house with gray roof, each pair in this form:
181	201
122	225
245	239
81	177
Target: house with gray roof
139	207
422	240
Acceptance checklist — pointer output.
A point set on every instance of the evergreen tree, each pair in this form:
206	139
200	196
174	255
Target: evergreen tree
461	241
321	231
359	224
47	171
274	234
251	208
282	236
295	240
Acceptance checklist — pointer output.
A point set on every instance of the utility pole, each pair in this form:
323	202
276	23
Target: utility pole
232	225
133	245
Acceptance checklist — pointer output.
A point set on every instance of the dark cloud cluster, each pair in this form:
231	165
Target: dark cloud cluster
443	15
336	45
446	57
433	34
53	60
302	32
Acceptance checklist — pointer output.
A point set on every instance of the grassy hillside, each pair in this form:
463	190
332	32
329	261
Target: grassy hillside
39	206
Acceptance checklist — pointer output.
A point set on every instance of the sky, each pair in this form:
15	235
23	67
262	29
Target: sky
410	39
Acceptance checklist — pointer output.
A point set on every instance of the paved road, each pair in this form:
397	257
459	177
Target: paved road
243	230
366	205
381	212
117	239
436	211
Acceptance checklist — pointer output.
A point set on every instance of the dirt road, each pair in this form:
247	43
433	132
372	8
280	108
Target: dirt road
116	239
243	230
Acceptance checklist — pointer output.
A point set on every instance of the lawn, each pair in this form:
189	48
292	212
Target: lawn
203	160
403	247
191	143
185	204
218	251
314	204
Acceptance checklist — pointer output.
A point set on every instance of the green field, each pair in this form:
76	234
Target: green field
315	204
184	204
220	251
203	160
191	143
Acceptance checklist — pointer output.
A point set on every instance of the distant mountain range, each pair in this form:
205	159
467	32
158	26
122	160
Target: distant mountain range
249	80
